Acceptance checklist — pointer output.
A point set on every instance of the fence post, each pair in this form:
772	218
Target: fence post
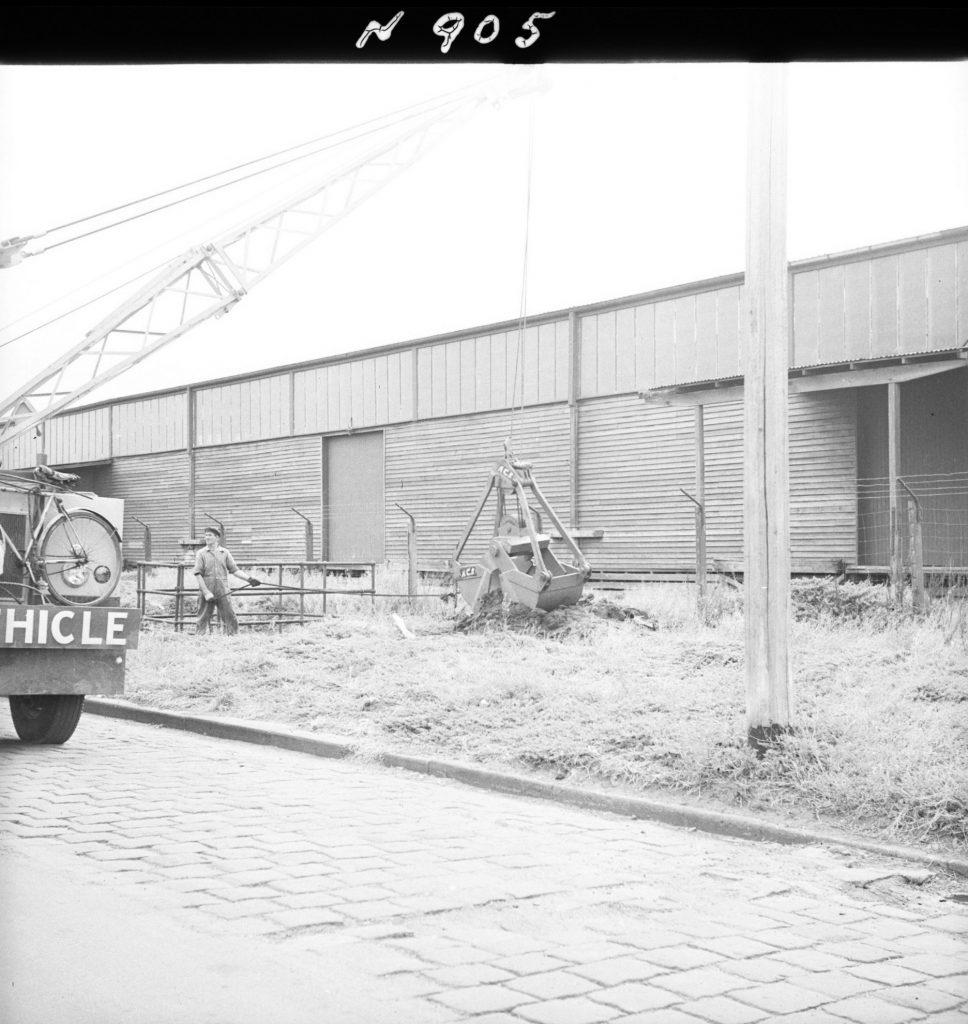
310	545
179	585
700	547
411	553
146	545
916	546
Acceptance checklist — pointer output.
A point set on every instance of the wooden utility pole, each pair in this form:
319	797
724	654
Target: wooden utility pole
767	345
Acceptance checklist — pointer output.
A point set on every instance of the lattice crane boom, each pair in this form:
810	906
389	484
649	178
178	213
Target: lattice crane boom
208	280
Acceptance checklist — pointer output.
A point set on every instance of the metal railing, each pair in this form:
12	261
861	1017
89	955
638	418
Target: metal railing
281	604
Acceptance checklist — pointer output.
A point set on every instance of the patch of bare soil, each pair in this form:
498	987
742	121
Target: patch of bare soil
576	620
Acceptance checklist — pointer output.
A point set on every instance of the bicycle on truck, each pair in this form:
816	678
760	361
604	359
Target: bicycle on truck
63	635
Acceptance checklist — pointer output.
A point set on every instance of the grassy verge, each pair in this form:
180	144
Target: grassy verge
654	702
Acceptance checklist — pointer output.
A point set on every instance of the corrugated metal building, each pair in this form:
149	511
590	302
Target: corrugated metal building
619	405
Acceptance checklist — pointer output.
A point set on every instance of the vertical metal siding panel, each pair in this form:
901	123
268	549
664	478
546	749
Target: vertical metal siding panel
625	373
685	343
529	367
331	384
342	378
961	293
707	341
724	462
381	377
356	393
665	340
499	355
408	400
857	310
468	375
728	307
512	367
482	383
301	400
154	487
393	399
884	298
831	315
562	361
913	302
633	459
942	275
251	487
588	367
452	390
823	476
645	346
546	363
438	380
424	383
806	318
369	393
419	455
605	349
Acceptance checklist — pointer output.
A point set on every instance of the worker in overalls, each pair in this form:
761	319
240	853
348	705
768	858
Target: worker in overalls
213	566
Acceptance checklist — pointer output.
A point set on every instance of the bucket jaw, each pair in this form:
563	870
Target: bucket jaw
519	561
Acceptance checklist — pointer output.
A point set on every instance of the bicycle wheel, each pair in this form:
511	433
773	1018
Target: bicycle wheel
80	558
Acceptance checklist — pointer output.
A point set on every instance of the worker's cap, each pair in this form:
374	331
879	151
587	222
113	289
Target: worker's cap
213	529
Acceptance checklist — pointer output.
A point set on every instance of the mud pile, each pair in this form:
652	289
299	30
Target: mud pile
576	620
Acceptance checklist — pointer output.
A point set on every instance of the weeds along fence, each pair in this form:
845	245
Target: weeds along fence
291	593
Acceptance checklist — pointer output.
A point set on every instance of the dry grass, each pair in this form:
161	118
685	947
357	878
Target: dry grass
652	702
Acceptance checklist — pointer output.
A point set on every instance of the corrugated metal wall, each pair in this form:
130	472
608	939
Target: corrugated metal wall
656	344
247	411
250	488
823	476
479	374
346	396
632	462
437	470
149	425
154	488
906	302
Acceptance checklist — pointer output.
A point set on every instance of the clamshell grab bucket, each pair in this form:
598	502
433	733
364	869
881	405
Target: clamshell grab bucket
519	561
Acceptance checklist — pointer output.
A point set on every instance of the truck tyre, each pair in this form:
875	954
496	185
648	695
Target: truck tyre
46	717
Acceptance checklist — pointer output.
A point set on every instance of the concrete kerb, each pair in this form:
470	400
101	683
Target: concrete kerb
681	815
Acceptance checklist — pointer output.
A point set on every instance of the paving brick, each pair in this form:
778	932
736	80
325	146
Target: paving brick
956	923
944	945
587	952
812	960
936	966
530	963
948	1017
619	969
635	997
888	973
785	938
722	1010
927	998
836	984
466	975
870	1010
483	999
553	985
761	969
295	901
956	984
566	1011
371	911
858	952
306	917
669	1015
736	947
781	997
244	908
681	957
706	981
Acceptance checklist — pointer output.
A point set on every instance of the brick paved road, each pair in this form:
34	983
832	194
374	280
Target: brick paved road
390	896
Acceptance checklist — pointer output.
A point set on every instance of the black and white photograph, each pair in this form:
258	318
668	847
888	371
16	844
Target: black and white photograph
483	517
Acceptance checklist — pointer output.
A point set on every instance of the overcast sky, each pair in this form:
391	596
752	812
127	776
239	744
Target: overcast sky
637	181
